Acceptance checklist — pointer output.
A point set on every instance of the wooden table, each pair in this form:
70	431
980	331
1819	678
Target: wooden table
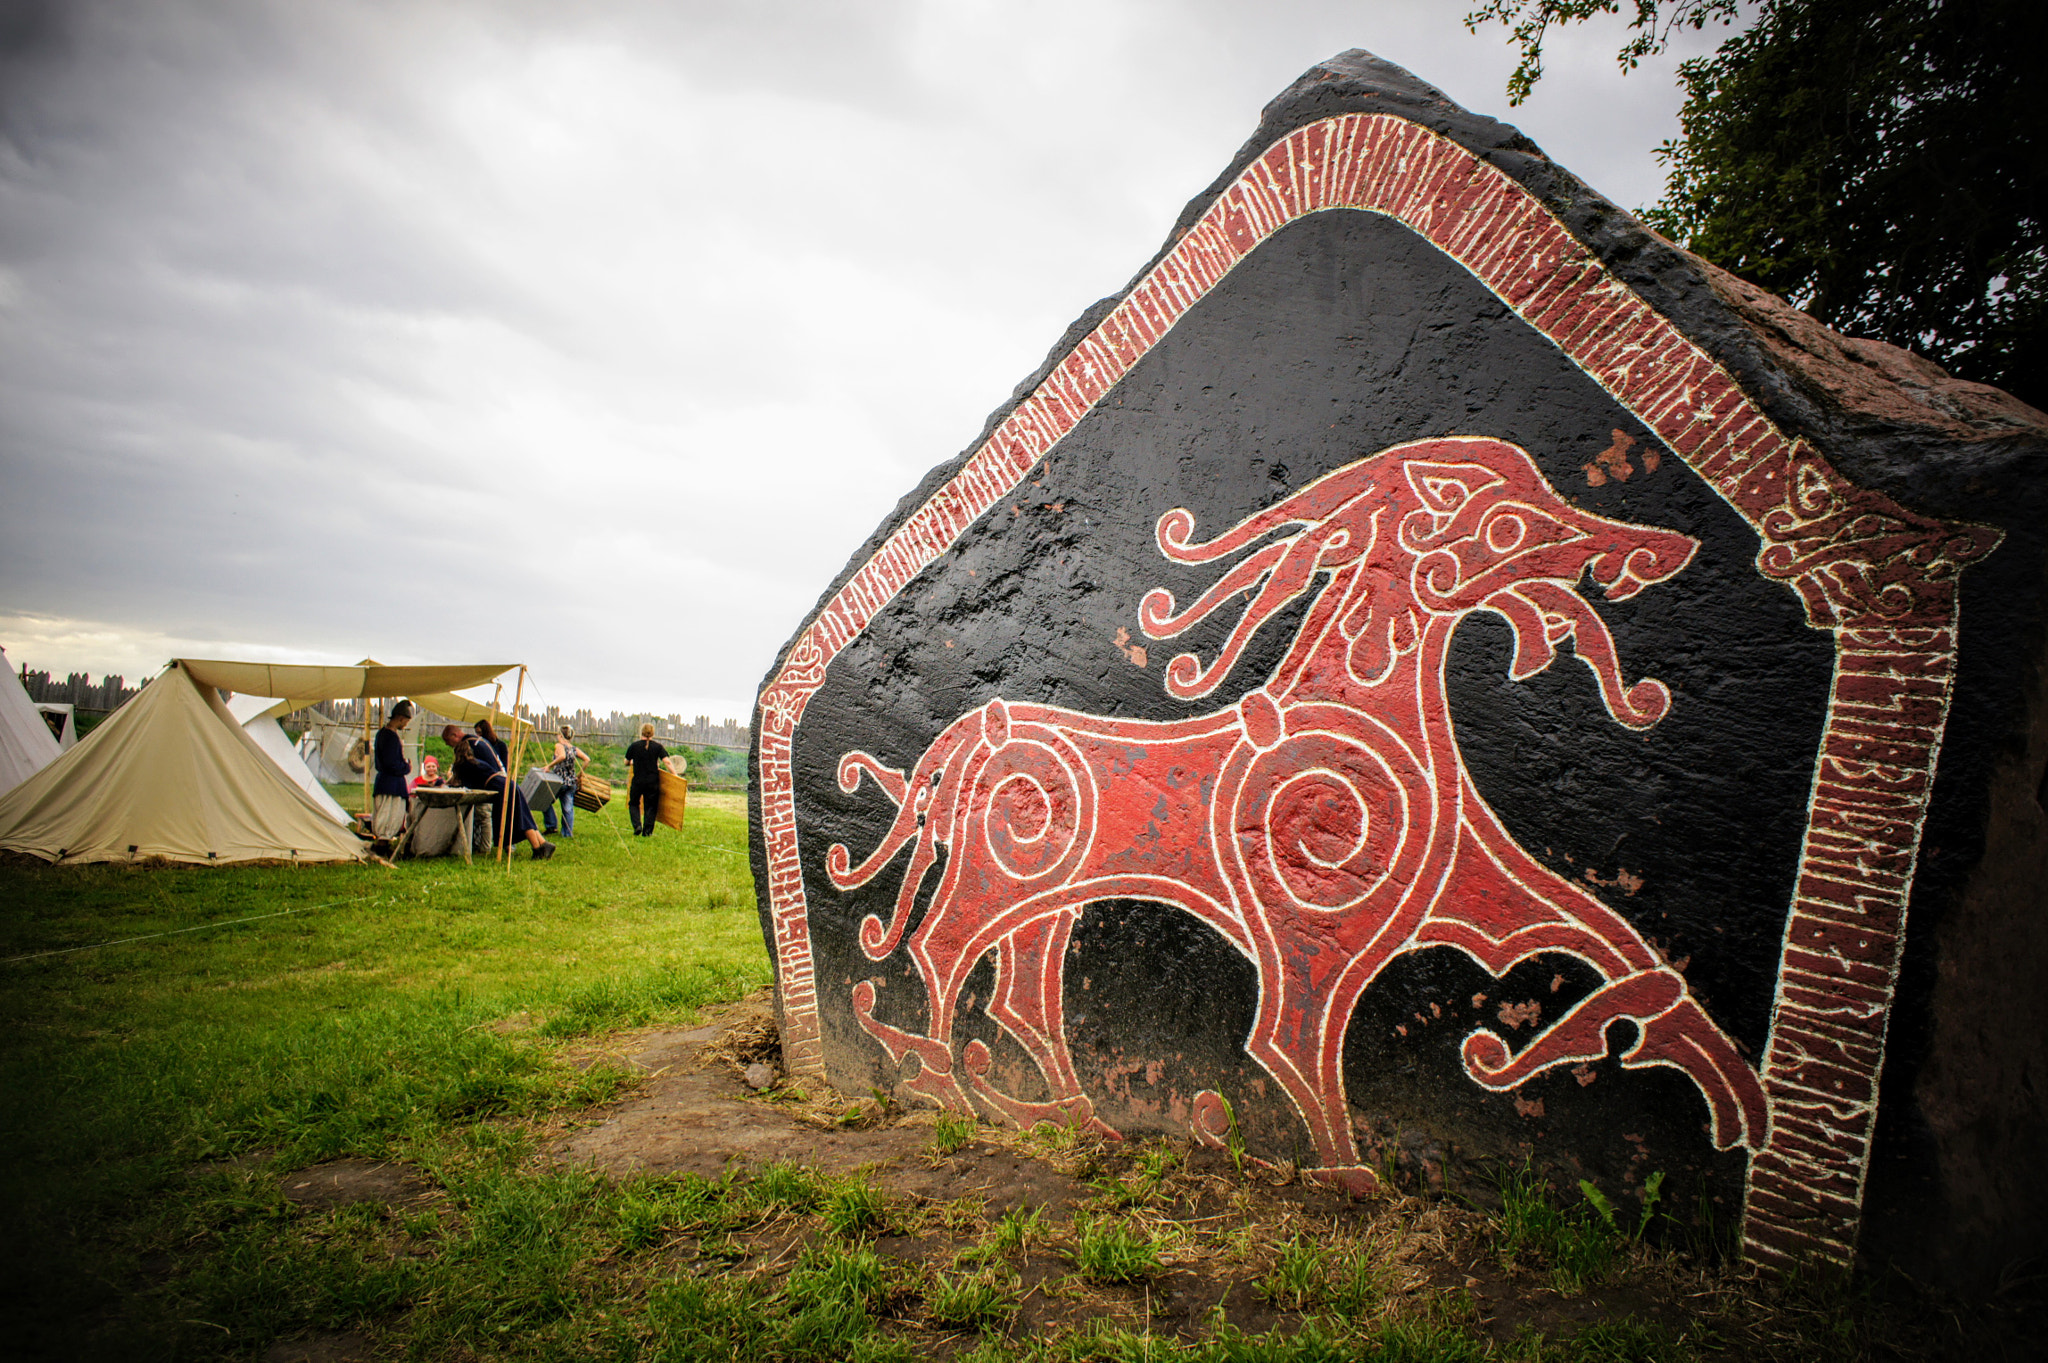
457	798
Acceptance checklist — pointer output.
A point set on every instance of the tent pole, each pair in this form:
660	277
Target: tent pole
369	763
512	770
497	690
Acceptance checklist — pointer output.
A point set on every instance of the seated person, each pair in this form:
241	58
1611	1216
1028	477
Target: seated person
476	767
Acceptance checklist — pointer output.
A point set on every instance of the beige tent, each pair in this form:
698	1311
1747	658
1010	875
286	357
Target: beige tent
171	775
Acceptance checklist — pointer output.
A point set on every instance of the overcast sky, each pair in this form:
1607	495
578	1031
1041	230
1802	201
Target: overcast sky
591	335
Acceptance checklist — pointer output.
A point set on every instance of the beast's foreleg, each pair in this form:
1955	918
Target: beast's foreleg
925	810
1503	908
1030	979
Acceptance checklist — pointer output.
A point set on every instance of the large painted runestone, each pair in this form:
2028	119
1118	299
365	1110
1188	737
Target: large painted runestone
1432	677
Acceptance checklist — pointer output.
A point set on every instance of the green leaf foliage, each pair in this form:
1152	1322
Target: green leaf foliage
1880	163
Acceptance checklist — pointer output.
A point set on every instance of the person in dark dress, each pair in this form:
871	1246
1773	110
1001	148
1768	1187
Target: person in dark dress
391	798
643	796
497	744
478	768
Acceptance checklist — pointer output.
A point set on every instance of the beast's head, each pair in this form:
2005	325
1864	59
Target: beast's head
1417	535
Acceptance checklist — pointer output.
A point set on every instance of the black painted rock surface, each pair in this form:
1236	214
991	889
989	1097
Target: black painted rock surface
1432	674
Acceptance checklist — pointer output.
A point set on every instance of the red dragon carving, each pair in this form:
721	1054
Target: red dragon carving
1324	824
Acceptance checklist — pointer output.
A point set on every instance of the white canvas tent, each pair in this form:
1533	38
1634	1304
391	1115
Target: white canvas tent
258	716
26	746
171	775
328	747
63	721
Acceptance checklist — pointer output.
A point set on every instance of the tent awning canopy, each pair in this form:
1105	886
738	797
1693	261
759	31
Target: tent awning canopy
306	683
297	685
463	710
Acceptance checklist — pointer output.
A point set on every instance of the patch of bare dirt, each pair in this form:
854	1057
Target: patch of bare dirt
695	1114
341	1182
349	1347
1222	1232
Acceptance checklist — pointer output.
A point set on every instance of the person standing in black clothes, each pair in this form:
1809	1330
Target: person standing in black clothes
477	767
643	797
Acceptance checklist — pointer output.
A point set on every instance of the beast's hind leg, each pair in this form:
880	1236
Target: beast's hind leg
1298	1037
1030	977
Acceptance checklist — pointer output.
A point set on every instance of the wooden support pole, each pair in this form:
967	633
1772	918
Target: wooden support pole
516	748
497	690
369	766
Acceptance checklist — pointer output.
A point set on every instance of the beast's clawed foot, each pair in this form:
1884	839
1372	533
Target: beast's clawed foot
1072	1110
934	1078
1672	1030
1687	1039
1357	1180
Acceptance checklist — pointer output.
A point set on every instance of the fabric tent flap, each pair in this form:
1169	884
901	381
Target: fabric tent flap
26	744
63	719
304	684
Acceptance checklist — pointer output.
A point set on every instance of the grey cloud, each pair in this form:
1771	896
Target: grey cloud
592	334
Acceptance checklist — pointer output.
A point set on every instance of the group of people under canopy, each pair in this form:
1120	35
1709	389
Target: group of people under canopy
196	770
481	762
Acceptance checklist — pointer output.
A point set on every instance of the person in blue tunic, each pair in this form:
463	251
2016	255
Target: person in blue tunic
391	797
497	744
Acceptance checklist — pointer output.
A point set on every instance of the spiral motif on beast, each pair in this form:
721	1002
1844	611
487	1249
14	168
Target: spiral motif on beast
1324	819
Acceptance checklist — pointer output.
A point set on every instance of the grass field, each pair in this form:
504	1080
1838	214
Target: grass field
174	1043
349	1014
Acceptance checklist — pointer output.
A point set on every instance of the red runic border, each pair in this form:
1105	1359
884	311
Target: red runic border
1879	577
